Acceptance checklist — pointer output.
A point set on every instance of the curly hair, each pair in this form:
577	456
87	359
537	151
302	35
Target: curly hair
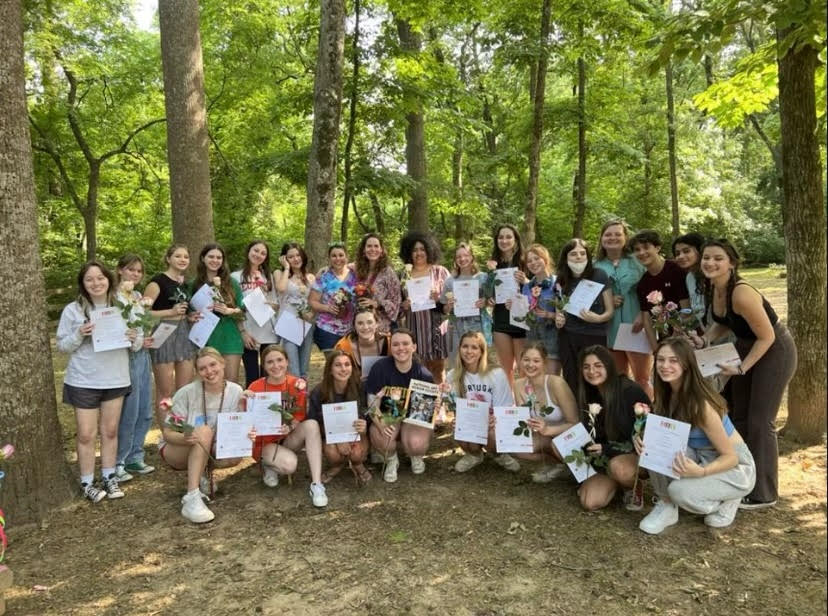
411	238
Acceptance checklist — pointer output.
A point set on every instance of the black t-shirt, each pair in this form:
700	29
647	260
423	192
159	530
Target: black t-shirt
315	405
385	372
576	324
623	415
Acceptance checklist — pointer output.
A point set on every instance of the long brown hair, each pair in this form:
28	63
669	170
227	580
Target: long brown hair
84	300
363	267
326	387
227	291
264	268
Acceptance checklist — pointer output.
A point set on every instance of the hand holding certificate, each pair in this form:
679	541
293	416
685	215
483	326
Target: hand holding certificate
466	294
506	287
512	433
471	421
419	293
339	421
711	359
583	296
265	421
232	440
519	311
257	307
110	331
202	329
571	440
664	439
202	298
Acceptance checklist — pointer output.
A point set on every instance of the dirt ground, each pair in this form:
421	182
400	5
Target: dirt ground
484	543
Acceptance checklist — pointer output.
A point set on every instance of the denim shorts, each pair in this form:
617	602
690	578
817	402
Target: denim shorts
325	340
85	398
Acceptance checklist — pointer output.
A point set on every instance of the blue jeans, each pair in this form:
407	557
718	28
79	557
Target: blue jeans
299	355
136	413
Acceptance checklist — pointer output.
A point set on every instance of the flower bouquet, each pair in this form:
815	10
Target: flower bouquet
218	298
669	317
491	280
560	301
581	456
135	311
290	403
178	423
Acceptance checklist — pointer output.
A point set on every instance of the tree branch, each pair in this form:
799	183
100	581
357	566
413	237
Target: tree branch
49	148
123	147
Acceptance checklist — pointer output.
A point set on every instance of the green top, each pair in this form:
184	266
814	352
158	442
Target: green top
226	337
624	278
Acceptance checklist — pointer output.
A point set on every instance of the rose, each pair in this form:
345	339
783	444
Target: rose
408	268
491	265
655	297
593	409
127	286
536	291
671	306
165	404
7	451
640	409
146	302
656	310
217	281
301	384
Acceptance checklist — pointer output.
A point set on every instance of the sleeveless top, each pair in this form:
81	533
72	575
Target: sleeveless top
698	439
737	324
168	288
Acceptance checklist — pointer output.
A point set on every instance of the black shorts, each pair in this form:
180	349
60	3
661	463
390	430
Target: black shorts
85	398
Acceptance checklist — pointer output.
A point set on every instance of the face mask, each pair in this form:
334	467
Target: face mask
577	268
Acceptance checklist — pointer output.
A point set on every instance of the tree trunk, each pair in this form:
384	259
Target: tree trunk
327	106
411	42
580	182
804	219
188	145
38	478
539	92
349	141
671	148
457	182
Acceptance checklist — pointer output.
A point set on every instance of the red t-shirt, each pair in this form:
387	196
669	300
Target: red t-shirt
671	281
289	386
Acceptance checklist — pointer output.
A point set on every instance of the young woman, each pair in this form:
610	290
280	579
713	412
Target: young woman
255	274
687	255
293	285
421	252
465	269
198	404
590	326
553	410
624	270
540	291
136	414
473	378
331	297
397	371
768	361
341	382
375	274
717	469
507	251
172	363
95	383
277	454
365	344
600	383
229	335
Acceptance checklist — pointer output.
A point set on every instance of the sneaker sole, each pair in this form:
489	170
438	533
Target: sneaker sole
115	496
755	506
141	472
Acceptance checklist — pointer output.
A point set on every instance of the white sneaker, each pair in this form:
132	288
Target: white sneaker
318	495
417	465
194	509
121	474
662	516
270	477
504	460
468	462
725	514
391	466
548	473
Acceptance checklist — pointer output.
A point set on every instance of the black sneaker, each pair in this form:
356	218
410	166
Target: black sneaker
113	490
749	504
91	492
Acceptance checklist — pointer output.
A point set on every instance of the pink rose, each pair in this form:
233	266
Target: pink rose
301	384
655	297
639	408
7	451
536	291
217	281
670	306
165	404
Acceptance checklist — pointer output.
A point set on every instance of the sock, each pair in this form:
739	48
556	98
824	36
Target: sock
107	472
194	492
87	479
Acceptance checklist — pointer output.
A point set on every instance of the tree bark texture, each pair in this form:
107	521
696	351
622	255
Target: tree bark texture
805	236
580	181
348	188
38	477
327	106
188	145
671	148
411	42
538	98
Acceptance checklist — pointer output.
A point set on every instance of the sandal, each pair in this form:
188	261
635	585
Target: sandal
362	474
331	473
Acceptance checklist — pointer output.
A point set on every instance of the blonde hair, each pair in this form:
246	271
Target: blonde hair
543	255
460	368
465	246
207	351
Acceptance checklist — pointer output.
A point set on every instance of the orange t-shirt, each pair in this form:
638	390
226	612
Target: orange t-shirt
289	386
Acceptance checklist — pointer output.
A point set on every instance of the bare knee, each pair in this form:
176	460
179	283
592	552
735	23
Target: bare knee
87	437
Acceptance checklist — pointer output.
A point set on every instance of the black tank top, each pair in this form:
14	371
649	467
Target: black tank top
169	288
736	323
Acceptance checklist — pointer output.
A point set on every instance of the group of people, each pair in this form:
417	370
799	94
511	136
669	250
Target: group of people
376	340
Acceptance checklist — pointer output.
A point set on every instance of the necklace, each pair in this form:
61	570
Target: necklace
204	400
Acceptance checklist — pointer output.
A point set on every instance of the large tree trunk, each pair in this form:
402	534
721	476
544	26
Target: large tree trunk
580	181
327	105
538	91
671	148
411	42
805	236
348	189
188	146
38	477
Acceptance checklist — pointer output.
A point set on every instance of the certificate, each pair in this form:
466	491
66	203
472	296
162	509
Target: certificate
583	296
507	420
263	419
290	327
110	330
507	288
519	311
339	421
626	340
419	293
367	363
161	333
202	298
709	359
471	421
571	440
466	294
202	329
231	436
257	307
664	439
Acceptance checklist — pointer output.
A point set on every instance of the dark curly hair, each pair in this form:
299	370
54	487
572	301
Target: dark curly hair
429	243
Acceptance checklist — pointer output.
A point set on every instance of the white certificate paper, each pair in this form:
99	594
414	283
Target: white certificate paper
566	442
257	307
339	421
709	359
202	298
202	329
291	327
466	294
471	421
507	420
231	436
367	363
110	329
583	296
508	286
626	340
263	419
419	293
519	311
664	439
161	333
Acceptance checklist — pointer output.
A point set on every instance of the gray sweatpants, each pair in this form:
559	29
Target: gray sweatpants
705	495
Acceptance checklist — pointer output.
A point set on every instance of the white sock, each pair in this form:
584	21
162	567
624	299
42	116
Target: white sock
87	479
194	492
107	472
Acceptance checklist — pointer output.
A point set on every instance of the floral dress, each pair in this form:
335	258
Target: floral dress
332	290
